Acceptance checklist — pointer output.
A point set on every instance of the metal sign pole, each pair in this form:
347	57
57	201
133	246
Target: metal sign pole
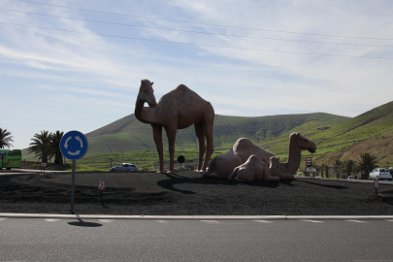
73	145
73	188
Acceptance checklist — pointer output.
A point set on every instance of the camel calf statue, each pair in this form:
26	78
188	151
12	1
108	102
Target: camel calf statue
178	109
248	162
256	170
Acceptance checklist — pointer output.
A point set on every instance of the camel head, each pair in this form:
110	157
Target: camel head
303	143
146	93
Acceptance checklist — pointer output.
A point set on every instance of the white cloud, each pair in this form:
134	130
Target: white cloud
255	75
341	74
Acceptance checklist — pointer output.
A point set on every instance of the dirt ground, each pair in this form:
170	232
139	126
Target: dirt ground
187	193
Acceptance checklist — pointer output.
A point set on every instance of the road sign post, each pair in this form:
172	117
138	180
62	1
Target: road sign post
73	187
376	185
101	188
73	145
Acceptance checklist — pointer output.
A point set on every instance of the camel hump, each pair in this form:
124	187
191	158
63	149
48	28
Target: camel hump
184	90
189	97
183	87
243	143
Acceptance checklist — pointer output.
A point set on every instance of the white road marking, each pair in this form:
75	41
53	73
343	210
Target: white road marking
313	221
390	220
2	219
264	221
377	260
51	219
210	221
106	220
163	221
356	221
12	260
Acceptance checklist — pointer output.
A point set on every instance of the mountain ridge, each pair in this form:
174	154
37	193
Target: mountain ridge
336	136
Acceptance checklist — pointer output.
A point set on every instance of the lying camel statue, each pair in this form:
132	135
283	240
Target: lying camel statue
177	109
256	170
241	162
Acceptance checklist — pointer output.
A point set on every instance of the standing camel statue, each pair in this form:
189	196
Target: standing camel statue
177	109
236	162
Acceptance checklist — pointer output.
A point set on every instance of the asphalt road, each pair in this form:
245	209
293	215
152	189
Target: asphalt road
39	239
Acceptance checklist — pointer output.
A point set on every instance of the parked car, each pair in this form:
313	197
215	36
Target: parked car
128	167
380	174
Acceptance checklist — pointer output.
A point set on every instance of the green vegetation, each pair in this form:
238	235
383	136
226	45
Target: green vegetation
367	163
128	134
55	142
338	138
41	146
144	160
5	138
45	145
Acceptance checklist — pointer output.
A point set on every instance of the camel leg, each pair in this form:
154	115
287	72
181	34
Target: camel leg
286	177
157	135
270	177
208	133
202	146
171	134
234	174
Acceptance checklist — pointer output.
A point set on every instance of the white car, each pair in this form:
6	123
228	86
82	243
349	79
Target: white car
128	167
380	174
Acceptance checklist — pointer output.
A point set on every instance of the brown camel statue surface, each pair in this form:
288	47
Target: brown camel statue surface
256	170
177	109
234	162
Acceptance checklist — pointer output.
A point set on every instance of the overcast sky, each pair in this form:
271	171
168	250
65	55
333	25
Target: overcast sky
68	65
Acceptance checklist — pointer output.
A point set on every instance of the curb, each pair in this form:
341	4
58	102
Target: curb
360	181
180	217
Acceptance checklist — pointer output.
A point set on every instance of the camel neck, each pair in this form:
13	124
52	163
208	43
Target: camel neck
145	114
294	157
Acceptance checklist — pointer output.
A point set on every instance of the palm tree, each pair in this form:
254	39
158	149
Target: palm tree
41	146
338	168
5	138
349	167
366	164
55	142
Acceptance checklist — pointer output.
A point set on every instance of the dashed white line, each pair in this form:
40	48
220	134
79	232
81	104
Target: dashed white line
106	220
210	221
390	220
12	260
313	221
264	221
378	260
162	221
356	221
51	220
2	219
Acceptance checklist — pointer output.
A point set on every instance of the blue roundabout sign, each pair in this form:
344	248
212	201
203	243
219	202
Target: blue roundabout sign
73	145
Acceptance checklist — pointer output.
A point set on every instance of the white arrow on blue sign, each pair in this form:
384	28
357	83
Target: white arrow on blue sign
73	145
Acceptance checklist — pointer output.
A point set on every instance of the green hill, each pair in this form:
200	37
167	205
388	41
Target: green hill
370	132
129	134
337	138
